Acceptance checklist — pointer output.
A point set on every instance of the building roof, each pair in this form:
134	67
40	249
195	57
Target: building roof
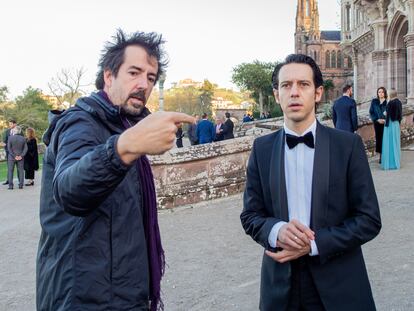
331	35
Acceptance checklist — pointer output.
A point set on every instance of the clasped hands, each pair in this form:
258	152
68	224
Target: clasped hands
295	240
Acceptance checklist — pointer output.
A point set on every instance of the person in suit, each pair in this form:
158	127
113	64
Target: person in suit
310	202
206	132
219	130
344	113
17	147
192	131
228	127
391	144
377	115
6	134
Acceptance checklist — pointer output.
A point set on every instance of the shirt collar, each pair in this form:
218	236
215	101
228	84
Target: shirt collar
311	128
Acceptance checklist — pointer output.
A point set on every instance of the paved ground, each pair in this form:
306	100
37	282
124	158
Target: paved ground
212	264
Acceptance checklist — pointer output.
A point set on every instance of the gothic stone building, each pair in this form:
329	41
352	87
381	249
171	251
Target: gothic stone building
379	34
323	46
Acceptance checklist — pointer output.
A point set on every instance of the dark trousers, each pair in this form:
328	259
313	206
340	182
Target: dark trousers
10	171
304	295
379	131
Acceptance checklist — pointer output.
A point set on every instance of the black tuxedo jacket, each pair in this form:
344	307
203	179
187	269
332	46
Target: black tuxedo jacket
344	215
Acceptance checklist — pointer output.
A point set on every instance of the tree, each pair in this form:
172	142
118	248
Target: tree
67	85
30	110
255	77
4	91
327	86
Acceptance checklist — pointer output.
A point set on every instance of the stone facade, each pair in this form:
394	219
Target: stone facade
380	37
323	47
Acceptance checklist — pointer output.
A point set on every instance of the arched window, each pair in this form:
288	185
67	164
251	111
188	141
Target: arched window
328	59
339	60
333	59
308	8
315	57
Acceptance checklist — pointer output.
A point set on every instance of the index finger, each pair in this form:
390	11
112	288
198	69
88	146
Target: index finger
178	117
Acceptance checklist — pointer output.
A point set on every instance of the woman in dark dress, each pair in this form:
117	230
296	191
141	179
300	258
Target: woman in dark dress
31	159
376	112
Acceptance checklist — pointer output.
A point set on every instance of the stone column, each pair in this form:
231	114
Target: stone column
409	43
355	63
391	69
380	68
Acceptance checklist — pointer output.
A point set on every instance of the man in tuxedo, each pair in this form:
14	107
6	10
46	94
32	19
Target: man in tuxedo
344	113
228	127
310	202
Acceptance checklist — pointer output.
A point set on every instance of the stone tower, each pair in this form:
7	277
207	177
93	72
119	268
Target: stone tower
307	24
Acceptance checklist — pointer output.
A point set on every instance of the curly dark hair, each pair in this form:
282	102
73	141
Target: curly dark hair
298	59
113	54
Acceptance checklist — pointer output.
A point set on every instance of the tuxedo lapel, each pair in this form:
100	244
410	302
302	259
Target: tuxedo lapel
277	177
320	178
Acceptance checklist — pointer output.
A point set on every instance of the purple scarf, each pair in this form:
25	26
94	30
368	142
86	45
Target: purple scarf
156	258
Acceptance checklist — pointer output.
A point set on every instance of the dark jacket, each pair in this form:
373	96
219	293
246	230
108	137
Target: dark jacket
92	251
394	111
228	127
344	215
344	114
6	135
377	109
192	133
206	131
16	146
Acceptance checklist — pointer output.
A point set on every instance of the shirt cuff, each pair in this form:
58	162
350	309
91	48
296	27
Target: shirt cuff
274	233
314	249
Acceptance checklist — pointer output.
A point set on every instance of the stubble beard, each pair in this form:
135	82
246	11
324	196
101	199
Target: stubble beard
134	109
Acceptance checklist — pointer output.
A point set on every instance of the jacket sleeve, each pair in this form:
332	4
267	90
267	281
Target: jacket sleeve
255	219
24	149
354	116
363	222
87	171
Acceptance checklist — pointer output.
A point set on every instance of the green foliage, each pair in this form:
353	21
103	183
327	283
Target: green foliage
328	85
29	110
4	91
327	111
256	77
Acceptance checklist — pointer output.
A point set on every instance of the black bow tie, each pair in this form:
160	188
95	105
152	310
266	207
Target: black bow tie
292	140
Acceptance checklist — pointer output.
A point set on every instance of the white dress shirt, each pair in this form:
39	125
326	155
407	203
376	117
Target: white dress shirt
298	178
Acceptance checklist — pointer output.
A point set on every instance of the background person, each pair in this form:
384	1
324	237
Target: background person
344	112
377	115
391	143
17	147
31	159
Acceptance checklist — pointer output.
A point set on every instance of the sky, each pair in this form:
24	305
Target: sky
205	39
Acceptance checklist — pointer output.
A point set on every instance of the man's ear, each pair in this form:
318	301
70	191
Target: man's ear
108	78
318	94
276	95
